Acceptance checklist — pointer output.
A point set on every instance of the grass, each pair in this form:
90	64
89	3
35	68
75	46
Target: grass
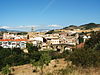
70	70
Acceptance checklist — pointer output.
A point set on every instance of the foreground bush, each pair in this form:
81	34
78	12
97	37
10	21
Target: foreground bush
67	71
13	57
6	70
85	58
95	39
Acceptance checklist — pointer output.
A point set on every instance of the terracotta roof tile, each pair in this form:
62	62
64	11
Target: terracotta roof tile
13	39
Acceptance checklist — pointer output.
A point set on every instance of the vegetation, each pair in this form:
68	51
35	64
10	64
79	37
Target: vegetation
12	57
31	48
90	25
85	26
43	60
71	70
6	70
67	71
16	56
71	27
22	33
85	58
89	55
94	40
52	31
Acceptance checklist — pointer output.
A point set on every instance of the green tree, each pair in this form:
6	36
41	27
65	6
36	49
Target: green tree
31	48
44	59
85	58
4	52
13	57
97	46
95	38
6	70
81	39
22	33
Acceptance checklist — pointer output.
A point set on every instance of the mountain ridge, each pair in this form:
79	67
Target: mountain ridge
83	27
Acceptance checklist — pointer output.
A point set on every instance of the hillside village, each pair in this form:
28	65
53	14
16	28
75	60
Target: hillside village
49	37
60	39
55	51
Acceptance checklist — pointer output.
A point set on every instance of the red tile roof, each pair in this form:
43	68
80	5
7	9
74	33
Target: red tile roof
81	45
13	39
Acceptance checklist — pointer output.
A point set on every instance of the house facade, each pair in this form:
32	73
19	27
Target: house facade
13	43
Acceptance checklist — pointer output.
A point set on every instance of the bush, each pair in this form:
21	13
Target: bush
31	48
97	46
89	55
85	58
57	55
13	57
6	70
68	70
95	39
45	58
35	55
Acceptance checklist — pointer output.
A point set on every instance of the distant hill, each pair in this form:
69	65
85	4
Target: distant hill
1	29
72	27
89	26
83	27
5	30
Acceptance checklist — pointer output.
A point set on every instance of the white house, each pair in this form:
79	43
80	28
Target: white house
86	37
13	43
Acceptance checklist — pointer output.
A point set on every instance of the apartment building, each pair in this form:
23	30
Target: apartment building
13	43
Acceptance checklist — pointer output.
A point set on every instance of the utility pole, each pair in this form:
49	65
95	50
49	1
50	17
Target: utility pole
32	29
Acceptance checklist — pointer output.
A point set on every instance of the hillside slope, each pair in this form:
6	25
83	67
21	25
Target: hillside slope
85	26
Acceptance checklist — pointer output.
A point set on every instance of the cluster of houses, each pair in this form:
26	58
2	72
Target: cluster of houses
55	41
13	41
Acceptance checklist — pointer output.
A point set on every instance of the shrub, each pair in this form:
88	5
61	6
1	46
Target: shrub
85	58
31	48
57	55
97	46
95	39
44	59
67	71
13	57
6	70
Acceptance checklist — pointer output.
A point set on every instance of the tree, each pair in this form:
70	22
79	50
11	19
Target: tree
97	46
17	51
44	59
81	39
6	70
85	58
4	52
22	33
13	57
95	38
31	48
50	32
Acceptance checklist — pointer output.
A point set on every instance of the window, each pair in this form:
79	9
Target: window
9	43
13	43
4	42
0	43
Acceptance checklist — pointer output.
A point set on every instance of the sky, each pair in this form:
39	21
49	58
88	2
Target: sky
47	14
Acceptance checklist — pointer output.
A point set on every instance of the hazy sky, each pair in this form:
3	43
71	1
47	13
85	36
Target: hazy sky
47	14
